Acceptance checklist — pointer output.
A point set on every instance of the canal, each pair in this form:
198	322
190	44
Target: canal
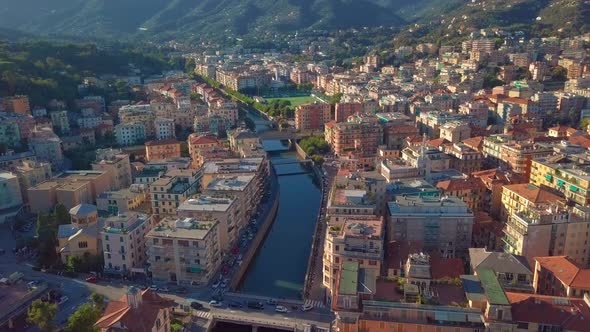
278	269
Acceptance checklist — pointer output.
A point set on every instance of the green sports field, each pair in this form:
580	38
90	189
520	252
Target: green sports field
295	101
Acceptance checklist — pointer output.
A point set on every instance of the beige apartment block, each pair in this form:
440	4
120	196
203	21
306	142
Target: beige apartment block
184	251
123	200
123	242
224	209
352	238
116	163
244	188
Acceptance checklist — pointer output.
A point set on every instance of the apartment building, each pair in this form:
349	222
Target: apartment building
184	251
60	121
123	200
258	166
10	134
70	188
345	110
352	238
224	109
30	173
463	158
11	201
164	128
495	180
116	164
442	224
359	135
225	209
569	175
560	276
47	147
176	186
524	196
312	116
549	230
17	104
245	188
455	131
123	242
130	133
135	114
471	190
161	150
518	156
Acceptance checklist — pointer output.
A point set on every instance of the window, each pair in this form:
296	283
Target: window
83	244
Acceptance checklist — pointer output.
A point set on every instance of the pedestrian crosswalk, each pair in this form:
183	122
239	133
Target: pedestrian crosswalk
315	303
202	314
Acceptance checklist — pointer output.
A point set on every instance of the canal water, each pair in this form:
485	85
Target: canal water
278	269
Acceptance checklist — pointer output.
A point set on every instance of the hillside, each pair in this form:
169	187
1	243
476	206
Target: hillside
540	18
190	18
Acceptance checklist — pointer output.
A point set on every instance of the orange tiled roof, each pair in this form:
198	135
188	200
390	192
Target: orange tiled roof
533	193
475	143
140	319
461	184
571	314
203	139
566	271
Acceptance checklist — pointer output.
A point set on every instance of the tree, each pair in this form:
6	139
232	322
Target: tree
61	215
97	301
74	263
83	319
42	314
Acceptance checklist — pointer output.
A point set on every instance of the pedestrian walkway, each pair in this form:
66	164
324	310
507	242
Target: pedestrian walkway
315	303
202	314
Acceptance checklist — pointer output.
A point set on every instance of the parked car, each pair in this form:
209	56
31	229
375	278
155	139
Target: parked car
154	288
271	301
256	305
92	279
164	289
215	303
280	308
196	306
235	304
306	307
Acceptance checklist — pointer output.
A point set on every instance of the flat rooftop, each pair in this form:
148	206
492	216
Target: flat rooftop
207	203
233	183
187	228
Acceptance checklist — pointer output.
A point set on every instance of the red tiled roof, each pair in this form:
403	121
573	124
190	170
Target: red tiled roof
204	139
461	184
571	314
437	142
580	140
534	193
475	143
140	319
442	268
566	271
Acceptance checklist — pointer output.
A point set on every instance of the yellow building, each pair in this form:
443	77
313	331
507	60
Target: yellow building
524	196
160	150
82	236
568	174
168	192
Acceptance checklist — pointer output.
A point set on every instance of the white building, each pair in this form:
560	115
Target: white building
164	128
130	133
10	197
